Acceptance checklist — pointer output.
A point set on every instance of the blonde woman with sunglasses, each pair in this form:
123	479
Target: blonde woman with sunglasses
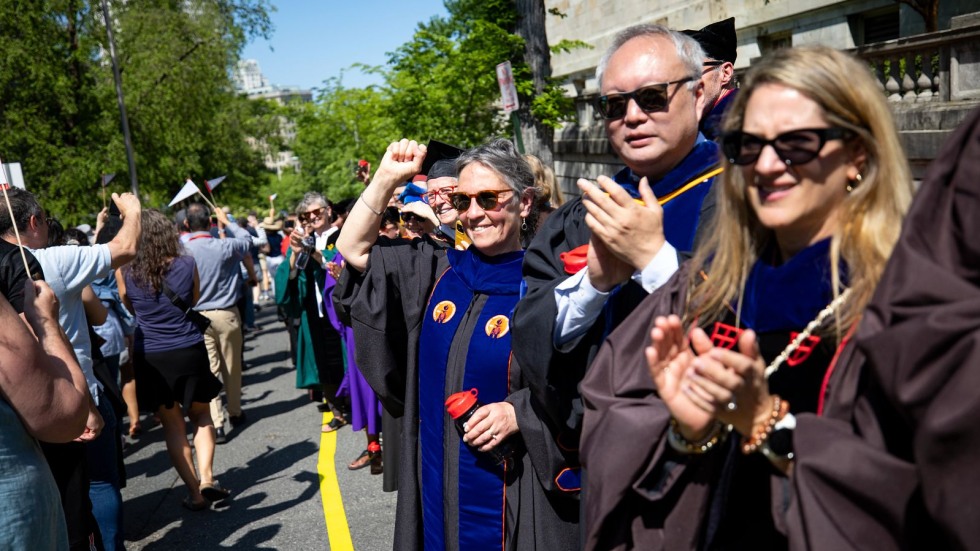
431	322
707	376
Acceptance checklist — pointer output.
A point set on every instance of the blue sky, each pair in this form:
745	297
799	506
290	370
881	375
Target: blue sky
316	39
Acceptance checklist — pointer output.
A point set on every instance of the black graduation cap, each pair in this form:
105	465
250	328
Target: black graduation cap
717	39
438	151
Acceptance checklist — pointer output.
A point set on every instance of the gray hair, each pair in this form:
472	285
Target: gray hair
309	199
500	156
25	205
688	50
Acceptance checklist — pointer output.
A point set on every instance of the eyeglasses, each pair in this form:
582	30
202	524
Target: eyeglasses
795	147
649	98
308	216
486	200
430	196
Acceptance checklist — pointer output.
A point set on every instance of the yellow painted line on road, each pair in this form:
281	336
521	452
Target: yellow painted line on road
338	532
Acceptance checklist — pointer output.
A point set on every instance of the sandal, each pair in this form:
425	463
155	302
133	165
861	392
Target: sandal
190	505
365	459
376	465
334	424
214	492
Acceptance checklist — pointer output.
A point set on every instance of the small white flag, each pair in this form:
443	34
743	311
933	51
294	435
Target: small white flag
273	196
189	189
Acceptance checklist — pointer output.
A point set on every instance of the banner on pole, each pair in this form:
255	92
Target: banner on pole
508	92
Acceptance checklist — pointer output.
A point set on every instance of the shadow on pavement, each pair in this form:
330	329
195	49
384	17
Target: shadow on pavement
206	529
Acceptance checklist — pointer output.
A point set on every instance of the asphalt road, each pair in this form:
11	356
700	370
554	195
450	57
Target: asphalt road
271	465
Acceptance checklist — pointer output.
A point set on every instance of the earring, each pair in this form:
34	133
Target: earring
523	224
857	180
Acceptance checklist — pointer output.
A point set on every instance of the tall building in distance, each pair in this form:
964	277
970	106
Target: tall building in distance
250	82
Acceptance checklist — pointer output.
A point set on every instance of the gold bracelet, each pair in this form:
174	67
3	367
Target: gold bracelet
715	436
361	199
780	408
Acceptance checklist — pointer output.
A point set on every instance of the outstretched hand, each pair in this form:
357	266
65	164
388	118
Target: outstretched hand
670	358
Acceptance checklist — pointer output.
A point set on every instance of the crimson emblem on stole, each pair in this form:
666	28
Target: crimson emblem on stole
803	351
725	336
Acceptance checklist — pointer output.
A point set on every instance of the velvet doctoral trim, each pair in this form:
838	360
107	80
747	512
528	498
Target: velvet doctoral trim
790	295
465	343
681	213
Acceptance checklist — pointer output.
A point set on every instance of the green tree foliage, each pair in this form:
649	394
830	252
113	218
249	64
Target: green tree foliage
60	116
439	85
342	126
443	83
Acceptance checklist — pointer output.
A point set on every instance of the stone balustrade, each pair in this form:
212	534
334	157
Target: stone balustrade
941	66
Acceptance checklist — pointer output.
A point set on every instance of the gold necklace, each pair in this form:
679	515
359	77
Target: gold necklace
805	334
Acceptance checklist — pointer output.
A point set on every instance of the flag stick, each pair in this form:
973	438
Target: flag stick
206	200
13	222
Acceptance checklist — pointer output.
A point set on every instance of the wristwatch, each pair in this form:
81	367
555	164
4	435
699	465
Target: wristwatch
779	445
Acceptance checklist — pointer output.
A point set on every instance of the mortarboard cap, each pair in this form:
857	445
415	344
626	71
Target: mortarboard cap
717	39
437	151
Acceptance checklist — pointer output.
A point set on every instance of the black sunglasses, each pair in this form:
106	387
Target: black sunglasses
411	217
795	147
649	98
486	200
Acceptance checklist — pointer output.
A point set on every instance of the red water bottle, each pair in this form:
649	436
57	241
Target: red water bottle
461	406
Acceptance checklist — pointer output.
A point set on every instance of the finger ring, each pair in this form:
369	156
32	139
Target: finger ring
493	436
731	406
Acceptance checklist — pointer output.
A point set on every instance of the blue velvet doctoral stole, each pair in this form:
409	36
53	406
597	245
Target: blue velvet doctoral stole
486	352
790	295
681	213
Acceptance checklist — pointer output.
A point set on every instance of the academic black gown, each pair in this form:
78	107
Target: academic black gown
892	462
554	376
388	307
648	496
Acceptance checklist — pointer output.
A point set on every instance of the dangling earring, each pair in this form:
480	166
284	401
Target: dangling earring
857	180
523	224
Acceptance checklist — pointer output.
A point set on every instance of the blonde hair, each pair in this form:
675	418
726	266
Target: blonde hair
547	191
871	215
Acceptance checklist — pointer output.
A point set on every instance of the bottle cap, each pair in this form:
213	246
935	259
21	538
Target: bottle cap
460	403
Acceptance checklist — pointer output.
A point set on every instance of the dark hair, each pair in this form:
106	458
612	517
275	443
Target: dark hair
56	232
390	216
158	246
198	217
74	236
24	205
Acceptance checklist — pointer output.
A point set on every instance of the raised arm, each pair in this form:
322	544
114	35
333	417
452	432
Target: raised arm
41	378
123	246
402	160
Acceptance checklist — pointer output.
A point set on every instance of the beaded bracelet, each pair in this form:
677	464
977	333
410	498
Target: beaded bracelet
715	436
779	409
